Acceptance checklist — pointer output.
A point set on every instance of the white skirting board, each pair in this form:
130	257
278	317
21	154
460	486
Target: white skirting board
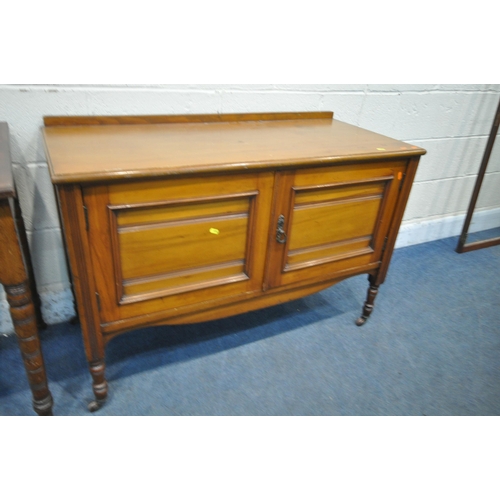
58	306
425	230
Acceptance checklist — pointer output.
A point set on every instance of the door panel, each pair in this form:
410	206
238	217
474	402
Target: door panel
166	244
327	223
334	219
160	251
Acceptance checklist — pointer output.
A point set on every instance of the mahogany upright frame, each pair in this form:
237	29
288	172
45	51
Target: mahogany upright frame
463	246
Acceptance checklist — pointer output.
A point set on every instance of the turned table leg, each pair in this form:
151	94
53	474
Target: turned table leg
99	384
14	277
74	224
23	242
23	315
370	299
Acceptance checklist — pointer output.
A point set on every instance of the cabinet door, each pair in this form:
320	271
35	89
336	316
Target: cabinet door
330	220
162	245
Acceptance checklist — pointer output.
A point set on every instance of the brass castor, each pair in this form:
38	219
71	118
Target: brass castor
93	406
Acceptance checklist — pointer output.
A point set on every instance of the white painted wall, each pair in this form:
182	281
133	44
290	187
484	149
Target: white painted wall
451	121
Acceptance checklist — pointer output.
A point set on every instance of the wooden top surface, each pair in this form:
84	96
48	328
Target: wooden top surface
6	180
138	149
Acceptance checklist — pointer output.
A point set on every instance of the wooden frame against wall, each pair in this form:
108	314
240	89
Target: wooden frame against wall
463	246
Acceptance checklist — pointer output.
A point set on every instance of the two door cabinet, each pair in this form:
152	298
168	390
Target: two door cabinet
184	219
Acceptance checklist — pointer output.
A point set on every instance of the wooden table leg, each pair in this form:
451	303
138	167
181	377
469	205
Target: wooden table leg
23	241
370	299
14	277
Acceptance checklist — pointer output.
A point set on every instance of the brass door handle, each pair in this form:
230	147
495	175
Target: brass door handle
280	232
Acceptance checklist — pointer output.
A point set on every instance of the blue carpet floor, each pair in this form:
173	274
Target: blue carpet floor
431	347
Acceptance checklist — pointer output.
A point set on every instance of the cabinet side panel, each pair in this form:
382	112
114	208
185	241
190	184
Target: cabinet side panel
395	223
75	234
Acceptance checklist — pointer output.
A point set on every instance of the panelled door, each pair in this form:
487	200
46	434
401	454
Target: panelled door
328	220
161	245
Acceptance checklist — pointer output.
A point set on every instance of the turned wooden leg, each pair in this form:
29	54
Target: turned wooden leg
78	256
99	384
23	242
23	315
14	277
369	304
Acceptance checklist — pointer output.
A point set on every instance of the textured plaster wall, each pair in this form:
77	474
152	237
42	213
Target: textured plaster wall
451	121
